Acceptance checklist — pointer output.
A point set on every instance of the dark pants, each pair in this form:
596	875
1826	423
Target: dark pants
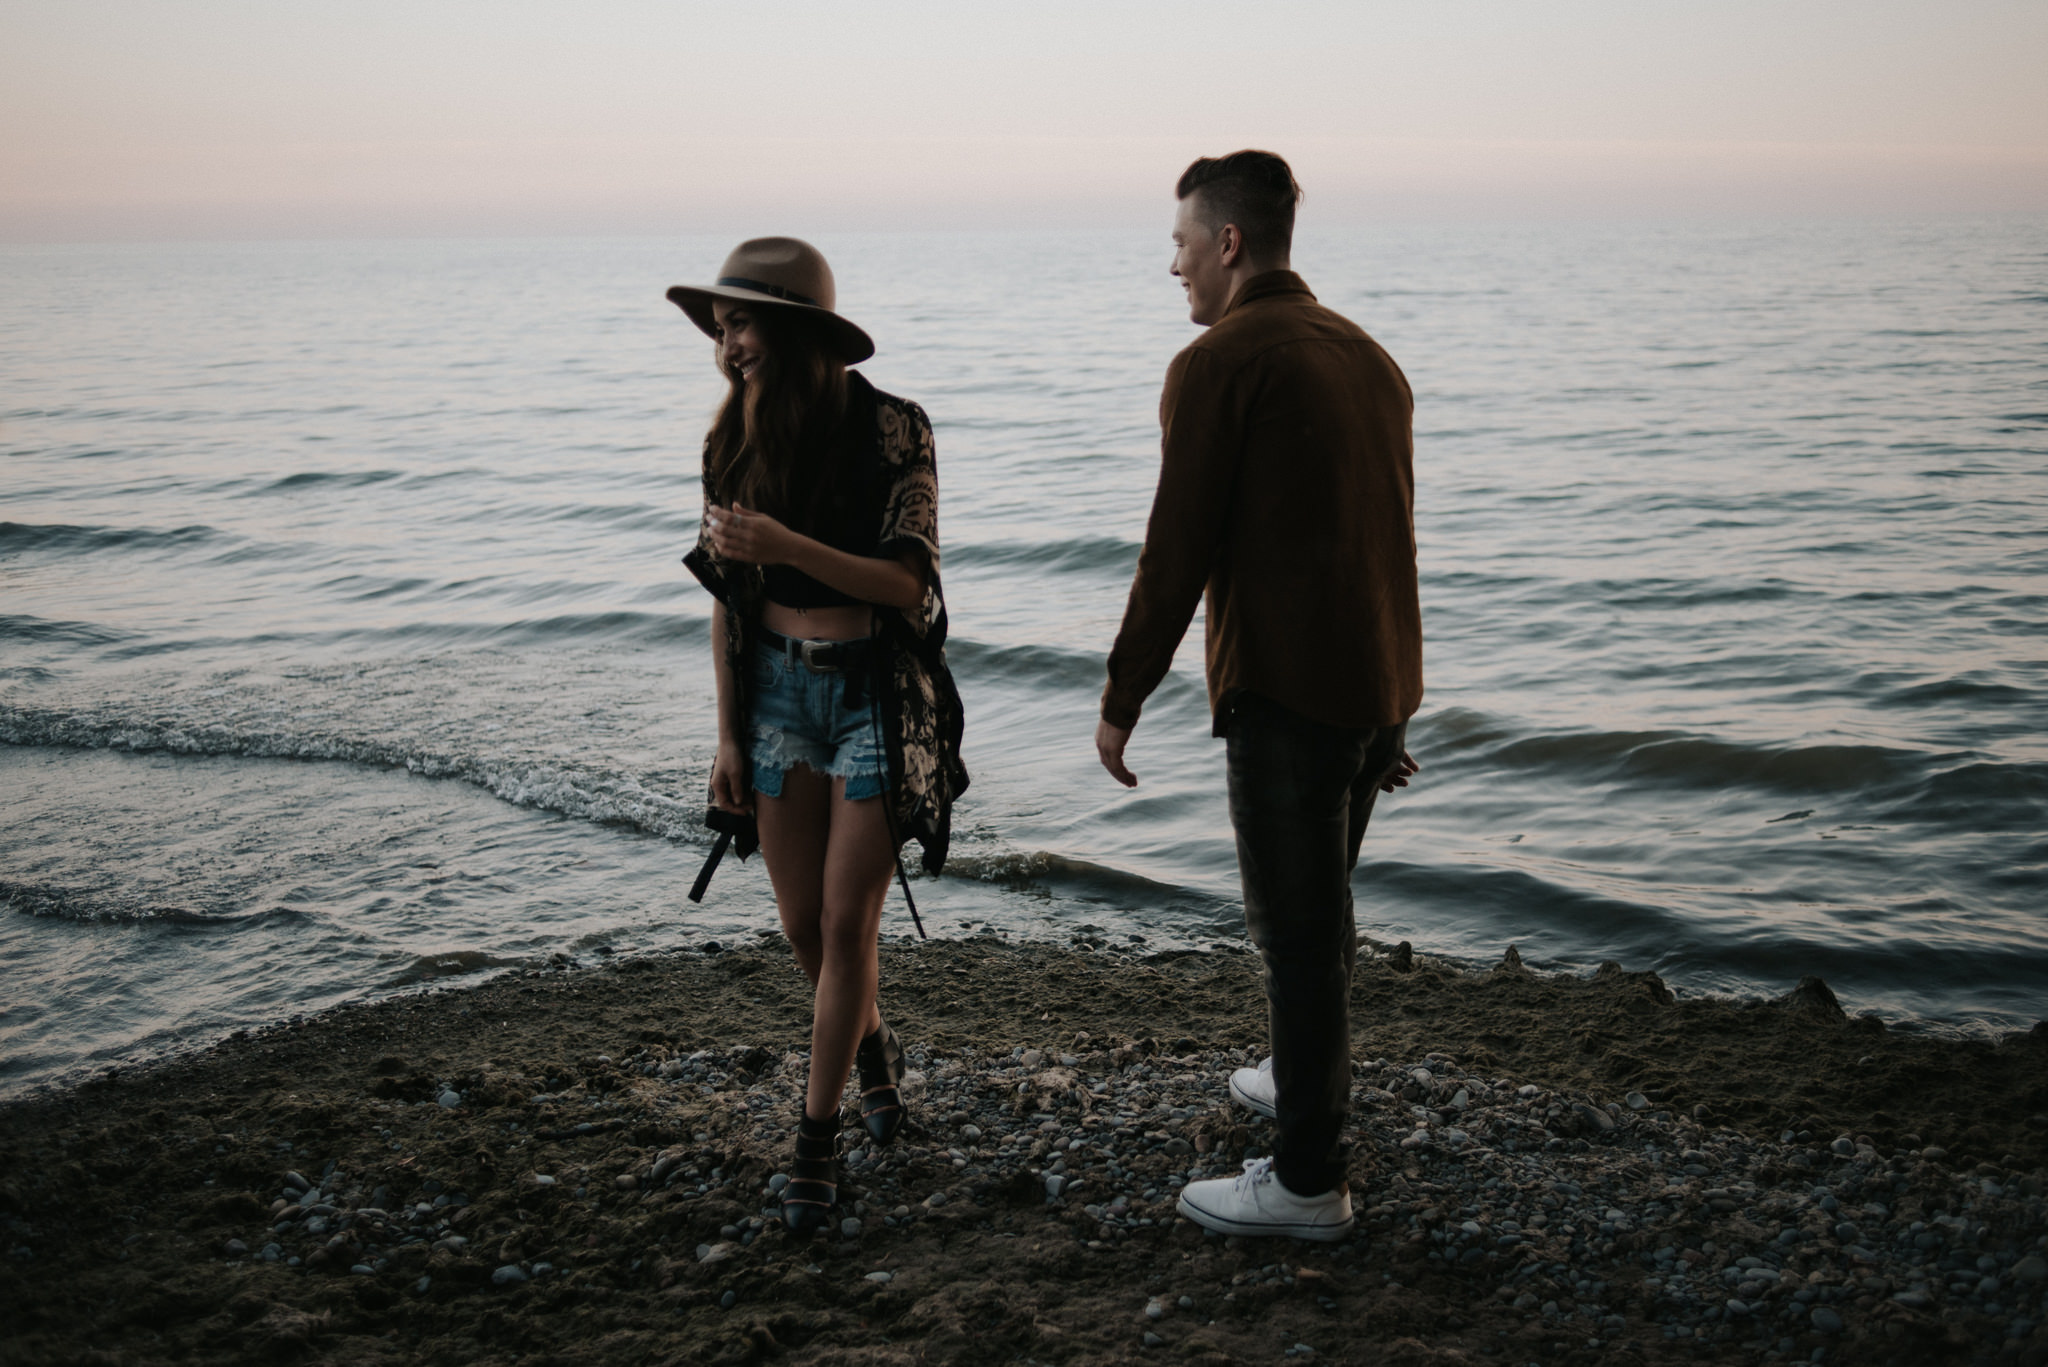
1300	796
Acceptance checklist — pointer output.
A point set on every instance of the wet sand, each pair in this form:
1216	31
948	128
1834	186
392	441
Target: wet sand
575	1165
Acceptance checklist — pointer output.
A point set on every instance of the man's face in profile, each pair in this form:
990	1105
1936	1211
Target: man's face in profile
1198	261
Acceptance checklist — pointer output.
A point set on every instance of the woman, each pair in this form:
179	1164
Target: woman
838	726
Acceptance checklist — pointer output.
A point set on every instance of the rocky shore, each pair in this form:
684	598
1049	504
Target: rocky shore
575	1165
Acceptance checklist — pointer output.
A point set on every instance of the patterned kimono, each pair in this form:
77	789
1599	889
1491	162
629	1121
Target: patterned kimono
920	708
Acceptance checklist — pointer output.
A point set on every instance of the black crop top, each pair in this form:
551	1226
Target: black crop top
850	518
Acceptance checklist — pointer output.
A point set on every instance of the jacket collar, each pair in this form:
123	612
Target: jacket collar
1269	285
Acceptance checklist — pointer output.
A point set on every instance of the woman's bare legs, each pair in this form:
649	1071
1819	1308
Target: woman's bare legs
829	861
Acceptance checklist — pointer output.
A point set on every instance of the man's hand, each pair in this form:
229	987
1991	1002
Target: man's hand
1109	748
750	538
1397	777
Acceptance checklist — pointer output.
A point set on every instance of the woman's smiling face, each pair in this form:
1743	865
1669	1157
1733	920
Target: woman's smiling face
740	343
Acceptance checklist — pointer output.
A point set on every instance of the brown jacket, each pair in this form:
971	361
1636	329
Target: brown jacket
1287	490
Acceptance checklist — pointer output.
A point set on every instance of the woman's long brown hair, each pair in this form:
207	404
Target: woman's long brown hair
770	445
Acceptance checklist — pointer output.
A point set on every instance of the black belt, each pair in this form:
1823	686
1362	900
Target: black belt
820	657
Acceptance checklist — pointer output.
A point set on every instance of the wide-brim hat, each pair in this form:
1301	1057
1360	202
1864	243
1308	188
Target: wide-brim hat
784	273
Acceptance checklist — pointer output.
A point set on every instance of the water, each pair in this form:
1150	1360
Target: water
344	647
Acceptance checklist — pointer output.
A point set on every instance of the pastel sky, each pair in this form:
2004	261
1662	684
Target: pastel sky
259	118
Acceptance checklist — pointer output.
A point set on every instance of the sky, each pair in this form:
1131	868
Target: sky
230	119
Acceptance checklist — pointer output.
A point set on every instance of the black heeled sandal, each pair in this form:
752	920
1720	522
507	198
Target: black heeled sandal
880	1060
813	1176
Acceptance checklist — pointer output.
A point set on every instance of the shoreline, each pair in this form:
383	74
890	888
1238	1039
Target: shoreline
1558	1169
434	973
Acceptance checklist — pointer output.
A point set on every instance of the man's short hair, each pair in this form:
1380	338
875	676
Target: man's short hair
1255	190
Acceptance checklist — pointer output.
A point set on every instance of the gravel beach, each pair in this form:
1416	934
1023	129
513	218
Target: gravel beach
578	1165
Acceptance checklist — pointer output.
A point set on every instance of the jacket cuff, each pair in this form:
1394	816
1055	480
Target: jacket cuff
1119	712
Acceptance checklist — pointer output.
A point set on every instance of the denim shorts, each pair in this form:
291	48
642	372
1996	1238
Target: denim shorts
826	721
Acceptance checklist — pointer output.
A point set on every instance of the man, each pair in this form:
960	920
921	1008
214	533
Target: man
1286	490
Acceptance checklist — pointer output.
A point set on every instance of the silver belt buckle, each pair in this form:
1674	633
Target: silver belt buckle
806	649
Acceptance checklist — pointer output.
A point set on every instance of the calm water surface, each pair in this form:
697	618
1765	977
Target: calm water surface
344	647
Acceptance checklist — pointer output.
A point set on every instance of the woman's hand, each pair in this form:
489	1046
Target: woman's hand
1398	776
750	538
729	790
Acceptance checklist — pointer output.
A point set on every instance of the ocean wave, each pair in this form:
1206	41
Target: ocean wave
1515	902
1679	759
1079	554
455	963
70	540
315	479
563	629
567	789
1083	880
44	631
653	628
1963	688
630	517
1049	666
78	904
1986	795
1681	595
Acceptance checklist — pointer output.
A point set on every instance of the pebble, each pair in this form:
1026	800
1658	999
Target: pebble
235	1248
1543	1198
1152	1340
511	1274
880	1278
728	1300
450	1100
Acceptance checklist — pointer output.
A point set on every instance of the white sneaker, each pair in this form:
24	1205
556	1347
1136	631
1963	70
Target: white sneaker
1255	1203
1252	1088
